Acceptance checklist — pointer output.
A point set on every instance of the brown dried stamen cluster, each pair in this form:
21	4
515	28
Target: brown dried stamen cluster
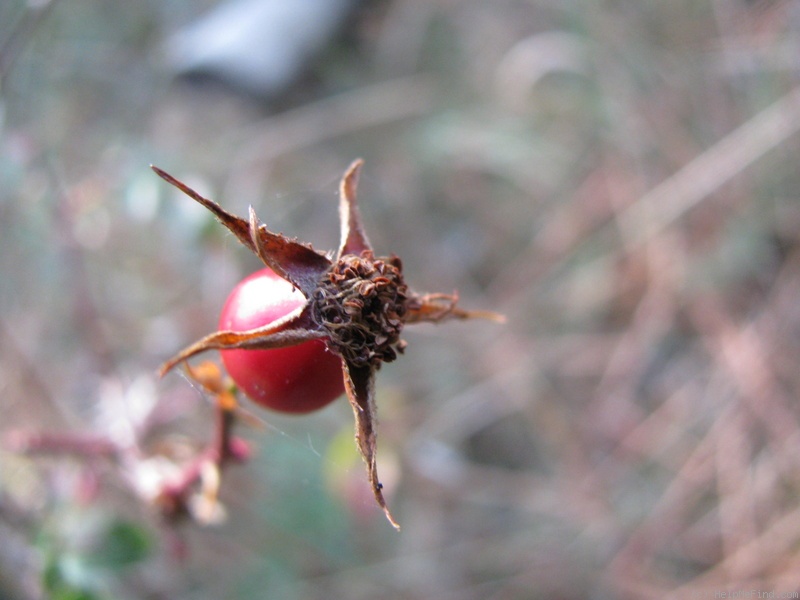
362	304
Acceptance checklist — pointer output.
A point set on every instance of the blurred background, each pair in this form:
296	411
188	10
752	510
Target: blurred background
619	178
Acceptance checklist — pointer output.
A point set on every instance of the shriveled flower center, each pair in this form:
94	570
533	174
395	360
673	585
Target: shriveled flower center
362	302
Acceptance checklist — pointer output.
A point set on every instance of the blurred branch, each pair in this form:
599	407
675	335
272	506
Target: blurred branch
666	202
313	123
27	370
85	310
59	444
21	33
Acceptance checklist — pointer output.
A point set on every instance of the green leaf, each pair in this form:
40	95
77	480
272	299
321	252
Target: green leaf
71	593
58	588
122	545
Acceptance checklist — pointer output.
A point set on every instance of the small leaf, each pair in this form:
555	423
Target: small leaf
123	544
71	593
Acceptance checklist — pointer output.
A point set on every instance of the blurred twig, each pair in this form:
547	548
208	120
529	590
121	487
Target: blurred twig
706	173
21	34
313	123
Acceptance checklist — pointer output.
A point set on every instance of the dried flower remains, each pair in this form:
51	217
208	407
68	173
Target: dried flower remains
356	302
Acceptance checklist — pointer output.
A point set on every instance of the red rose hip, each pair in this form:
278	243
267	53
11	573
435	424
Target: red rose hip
295	379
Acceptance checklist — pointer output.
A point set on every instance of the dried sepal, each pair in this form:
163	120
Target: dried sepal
295	328
298	263
238	227
353	237
359	383
435	308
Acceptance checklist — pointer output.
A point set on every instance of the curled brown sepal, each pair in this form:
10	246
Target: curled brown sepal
435	308
295	328
357	302
359	383
298	263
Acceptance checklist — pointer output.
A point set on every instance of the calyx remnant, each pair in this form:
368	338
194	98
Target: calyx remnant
356	303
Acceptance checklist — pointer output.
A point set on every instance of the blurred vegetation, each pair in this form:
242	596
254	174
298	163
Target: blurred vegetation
620	179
